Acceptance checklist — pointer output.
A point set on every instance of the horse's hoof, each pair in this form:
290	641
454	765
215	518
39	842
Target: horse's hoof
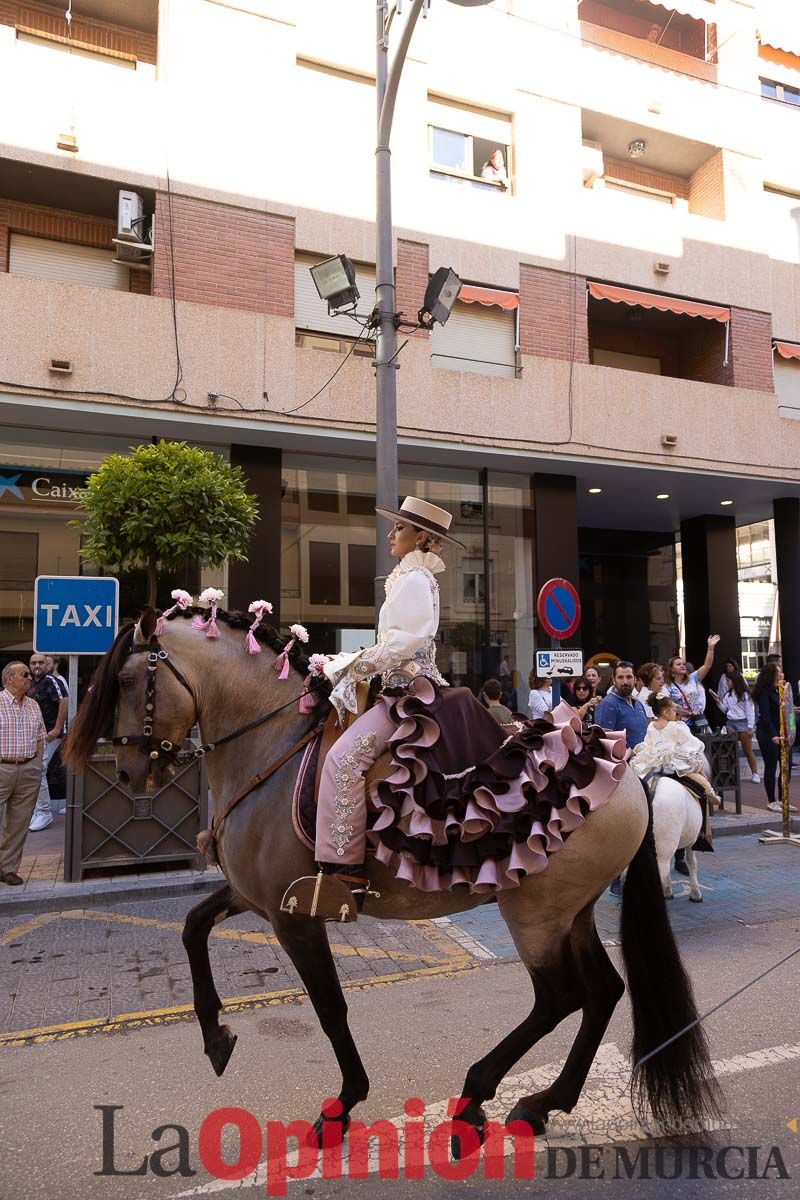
220	1050
669	897
520	1113
336	1128
696	899
459	1151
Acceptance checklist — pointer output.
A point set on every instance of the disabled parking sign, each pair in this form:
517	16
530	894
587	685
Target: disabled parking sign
75	614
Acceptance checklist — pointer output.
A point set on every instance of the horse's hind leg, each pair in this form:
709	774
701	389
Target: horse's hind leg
218	1040
306	942
602	990
694	887
558	992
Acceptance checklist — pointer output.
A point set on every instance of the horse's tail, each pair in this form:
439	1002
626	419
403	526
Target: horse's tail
678	1082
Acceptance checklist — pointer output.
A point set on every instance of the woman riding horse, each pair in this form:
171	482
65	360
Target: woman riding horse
405	651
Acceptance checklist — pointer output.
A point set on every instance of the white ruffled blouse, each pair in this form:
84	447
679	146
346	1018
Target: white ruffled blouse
673	749
407	627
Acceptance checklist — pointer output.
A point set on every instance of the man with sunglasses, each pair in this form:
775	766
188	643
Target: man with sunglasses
22	741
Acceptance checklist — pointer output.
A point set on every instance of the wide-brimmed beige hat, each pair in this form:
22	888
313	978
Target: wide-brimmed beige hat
425	516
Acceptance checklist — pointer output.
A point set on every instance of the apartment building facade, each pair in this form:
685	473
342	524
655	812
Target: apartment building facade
621	372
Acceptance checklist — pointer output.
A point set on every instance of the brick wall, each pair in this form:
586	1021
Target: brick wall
62	226
751	349
552	314
231	257
707	189
99	35
628	172
703	353
411	280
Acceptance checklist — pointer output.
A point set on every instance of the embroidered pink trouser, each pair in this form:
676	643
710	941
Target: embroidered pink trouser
342	809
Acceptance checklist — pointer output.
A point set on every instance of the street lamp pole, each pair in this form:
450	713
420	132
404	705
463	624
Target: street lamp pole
386	365
387	81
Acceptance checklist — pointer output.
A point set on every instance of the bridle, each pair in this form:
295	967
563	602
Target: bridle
159	750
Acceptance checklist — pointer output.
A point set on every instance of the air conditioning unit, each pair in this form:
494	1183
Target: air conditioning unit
130	215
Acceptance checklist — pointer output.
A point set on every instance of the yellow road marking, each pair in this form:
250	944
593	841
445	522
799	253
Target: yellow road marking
451	959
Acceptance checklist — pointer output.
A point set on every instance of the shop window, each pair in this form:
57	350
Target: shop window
754	552
361	575
476	338
19	561
772	90
324	573
469	147
43	258
754	654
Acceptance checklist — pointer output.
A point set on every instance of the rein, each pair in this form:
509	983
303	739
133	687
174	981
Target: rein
155	749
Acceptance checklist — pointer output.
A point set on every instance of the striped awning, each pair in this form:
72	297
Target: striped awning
788	349
700	10
488	297
673	304
778	23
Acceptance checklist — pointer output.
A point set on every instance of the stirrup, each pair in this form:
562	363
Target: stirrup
327	896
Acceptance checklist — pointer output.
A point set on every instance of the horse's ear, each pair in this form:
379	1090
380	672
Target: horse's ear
146	627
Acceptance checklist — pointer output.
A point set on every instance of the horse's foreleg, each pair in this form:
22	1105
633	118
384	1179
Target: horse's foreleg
306	942
558	992
602	990
218	1040
694	887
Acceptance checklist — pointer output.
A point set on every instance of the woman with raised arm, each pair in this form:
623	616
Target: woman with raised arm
685	686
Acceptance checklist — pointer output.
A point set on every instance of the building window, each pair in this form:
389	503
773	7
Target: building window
754	552
469	147
772	90
478	339
43	258
638	192
19	561
361	575
754	654
324	573
473	581
358	347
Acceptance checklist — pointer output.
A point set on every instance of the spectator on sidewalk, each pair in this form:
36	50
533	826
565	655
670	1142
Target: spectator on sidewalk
53	707
492	696
22	738
540	698
767	697
685	686
650	678
592	677
57	772
729	668
580	697
618	710
740	714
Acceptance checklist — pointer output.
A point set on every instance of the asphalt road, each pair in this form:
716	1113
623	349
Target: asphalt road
419	1023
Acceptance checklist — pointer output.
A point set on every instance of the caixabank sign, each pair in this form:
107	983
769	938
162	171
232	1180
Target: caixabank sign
25	488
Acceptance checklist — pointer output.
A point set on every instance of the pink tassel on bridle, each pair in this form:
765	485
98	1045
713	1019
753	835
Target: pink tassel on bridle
299	634
210	596
182	601
309	699
260	608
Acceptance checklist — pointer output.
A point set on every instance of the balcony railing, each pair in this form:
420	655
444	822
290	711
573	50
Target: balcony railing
644	51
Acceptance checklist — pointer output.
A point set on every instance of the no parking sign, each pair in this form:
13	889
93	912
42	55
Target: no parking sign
559	608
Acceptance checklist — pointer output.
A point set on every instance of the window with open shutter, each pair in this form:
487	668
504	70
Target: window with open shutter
47	259
476	338
311	313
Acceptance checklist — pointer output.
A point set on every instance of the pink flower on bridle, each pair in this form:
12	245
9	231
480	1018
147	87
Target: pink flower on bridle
182	601
316	670
299	634
260	608
210	596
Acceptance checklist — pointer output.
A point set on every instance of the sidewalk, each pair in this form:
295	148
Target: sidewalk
45	890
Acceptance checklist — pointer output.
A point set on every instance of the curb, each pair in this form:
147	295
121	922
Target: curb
88	895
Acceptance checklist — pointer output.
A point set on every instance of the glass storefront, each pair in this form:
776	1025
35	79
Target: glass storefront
328	561
39	474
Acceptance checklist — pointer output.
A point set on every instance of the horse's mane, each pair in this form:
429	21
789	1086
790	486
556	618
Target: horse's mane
95	716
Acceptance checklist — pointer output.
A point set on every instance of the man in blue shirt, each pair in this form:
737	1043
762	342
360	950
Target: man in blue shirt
618	710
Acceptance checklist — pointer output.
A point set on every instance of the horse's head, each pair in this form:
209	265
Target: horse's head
138	700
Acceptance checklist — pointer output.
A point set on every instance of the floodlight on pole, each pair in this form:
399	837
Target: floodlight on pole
335	281
440	296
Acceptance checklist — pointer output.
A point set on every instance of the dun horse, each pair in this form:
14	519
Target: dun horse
215	684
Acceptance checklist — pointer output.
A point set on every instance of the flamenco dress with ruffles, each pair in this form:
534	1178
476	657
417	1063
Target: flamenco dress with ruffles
467	802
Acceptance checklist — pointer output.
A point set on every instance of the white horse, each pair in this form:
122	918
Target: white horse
677	820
